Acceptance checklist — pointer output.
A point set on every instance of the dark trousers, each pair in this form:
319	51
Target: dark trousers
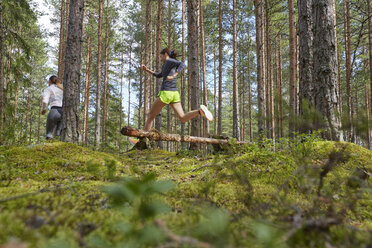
54	122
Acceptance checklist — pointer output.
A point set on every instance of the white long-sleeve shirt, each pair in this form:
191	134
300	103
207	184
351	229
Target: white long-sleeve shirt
53	95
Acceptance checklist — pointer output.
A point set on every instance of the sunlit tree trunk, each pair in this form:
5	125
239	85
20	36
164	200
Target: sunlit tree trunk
325	67
220	48
87	91
305	58
2	47
140	90
292	68
193	64
349	83
236	122
279	88
269	70
99	76
61	40
105	80
259	5
147	58
205	89
249	90
129	88
71	92
121	95
169	33
215	90
183	78
370	50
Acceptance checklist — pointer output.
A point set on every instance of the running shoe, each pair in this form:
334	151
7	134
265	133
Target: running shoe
206	113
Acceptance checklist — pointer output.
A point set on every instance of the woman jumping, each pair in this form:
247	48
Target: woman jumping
168	93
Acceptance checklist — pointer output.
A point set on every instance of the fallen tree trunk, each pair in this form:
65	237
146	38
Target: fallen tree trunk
154	135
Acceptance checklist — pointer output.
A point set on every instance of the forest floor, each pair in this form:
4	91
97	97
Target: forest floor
306	193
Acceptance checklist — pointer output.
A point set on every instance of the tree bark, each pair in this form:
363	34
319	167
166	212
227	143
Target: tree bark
87	91
292	69
71	93
279	88
305	58
349	83
183	81
236	128
205	88
220	48
269	69
259	4
147	56
2	48
249	89
99	76
152	135
129	87
193	64
140	90
61	40
370	49
215	91
105	80
325	67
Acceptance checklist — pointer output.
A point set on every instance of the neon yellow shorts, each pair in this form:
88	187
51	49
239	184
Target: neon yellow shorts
168	97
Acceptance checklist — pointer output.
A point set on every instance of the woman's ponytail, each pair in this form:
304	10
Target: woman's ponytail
171	53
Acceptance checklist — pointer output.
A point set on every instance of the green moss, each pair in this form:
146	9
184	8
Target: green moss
61	200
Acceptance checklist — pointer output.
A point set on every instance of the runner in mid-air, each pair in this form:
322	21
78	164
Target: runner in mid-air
168	93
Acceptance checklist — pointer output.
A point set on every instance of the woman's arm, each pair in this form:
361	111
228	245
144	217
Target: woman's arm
156	74
180	66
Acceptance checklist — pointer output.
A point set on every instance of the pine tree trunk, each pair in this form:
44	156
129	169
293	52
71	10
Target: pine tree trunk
2	47
249	89
193	64
349	83
61	40
259	4
99	76
87	91
39	119
140	89
215	90
121	95
368	107
105	80
370	50
205	88
220	48
325	67
236	128
71	93
7	80
305	59
129	88
279	88
292	68
169	119
183	79
159	23
269	70
147	58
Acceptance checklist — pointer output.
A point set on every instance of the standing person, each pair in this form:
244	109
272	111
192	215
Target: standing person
168	93
53	95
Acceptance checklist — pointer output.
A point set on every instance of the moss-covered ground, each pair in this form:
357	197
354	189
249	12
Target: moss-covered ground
300	194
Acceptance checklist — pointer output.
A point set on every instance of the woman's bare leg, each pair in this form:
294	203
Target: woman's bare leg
177	108
156	107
